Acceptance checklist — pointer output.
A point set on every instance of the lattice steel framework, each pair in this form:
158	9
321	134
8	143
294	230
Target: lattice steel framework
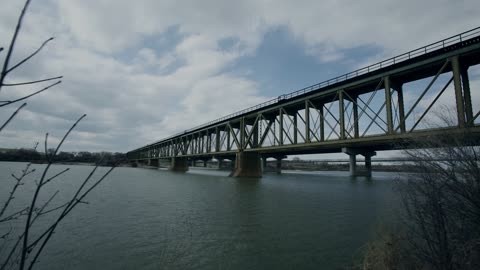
365	108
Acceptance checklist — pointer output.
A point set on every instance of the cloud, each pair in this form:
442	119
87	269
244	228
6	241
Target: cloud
138	80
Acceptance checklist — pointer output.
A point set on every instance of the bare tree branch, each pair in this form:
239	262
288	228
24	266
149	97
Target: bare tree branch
55	176
12	116
37	191
68	133
12	43
15	215
8	102
74	202
33	82
30	56
25	172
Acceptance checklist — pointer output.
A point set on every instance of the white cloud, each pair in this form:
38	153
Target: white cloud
135	93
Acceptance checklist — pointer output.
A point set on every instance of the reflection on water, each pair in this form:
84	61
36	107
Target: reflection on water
154	219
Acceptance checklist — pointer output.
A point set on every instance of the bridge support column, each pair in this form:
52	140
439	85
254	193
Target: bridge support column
247	164
220	163
179	164
153	162
353	164
278	165
205	163
352	152
368	163
264	163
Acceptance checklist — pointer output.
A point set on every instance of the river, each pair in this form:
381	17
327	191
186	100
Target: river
156	219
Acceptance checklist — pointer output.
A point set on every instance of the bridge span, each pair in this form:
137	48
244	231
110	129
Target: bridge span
358	113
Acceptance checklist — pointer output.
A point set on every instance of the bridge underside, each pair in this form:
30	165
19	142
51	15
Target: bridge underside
357	114
248	163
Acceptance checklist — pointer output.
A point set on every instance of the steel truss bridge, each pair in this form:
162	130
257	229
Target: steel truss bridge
357	113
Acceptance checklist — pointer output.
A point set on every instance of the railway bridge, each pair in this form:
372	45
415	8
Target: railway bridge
358	113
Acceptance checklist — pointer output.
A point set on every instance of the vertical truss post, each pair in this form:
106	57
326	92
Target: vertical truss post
401	108
242	133
322	123
466	94
205	142
341	110
458	91
198	142
307	122
208	143
281	127
228	139
194	143
217	139
295	128
355	117
255	134
388	106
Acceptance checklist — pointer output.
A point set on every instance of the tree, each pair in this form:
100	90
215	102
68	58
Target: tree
24	249
442	202
441	208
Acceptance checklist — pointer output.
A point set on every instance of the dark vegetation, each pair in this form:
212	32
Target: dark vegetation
440	226
318	165
85	157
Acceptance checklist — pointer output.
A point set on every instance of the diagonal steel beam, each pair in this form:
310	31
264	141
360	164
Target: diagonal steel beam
247	142
431	104
426	90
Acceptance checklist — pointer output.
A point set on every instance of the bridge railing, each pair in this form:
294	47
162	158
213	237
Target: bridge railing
379	65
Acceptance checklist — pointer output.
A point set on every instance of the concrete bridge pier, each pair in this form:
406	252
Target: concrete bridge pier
278	164
264	163
247	164
220	163
368	162
353	164
153	162
353	152
205	162
179	164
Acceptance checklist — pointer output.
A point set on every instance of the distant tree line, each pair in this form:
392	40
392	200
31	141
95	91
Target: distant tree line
31	155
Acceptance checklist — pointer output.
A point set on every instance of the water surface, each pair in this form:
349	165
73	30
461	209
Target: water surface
156	219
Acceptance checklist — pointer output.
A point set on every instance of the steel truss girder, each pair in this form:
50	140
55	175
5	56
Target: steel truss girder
212	139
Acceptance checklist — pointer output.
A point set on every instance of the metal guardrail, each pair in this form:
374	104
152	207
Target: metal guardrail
379	65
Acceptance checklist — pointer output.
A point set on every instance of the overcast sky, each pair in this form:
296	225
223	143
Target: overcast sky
145	69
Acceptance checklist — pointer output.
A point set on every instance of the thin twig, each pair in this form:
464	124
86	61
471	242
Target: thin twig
53	209
37	191
12	44
12	251
40	211
30	56
68	132
67	210
8	102
15	215
12	116
14	189
55	176
33	82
